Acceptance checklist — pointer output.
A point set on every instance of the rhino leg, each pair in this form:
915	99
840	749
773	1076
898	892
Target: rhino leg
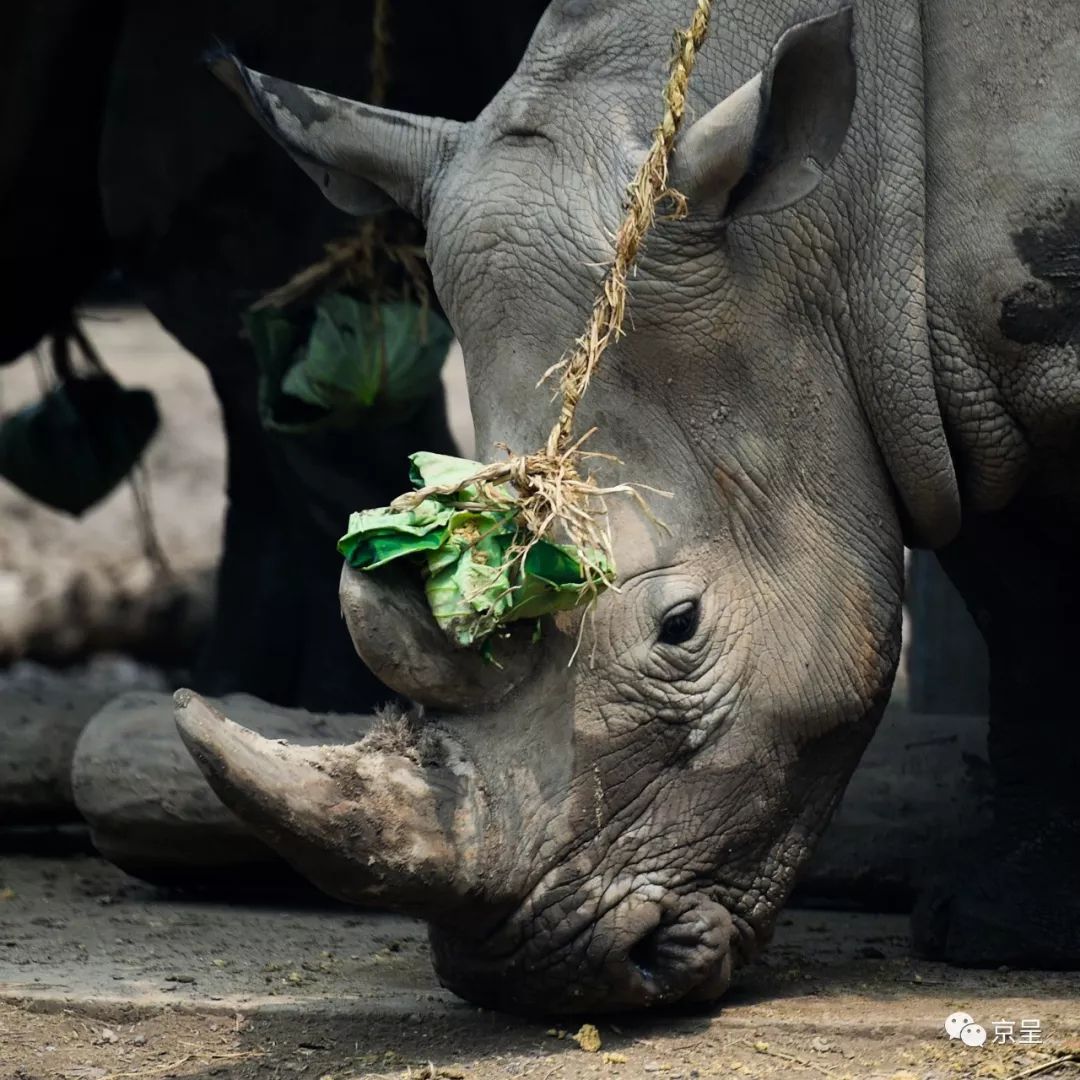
1013	896
1015	903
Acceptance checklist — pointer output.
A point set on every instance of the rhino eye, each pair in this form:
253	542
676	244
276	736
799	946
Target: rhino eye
680	623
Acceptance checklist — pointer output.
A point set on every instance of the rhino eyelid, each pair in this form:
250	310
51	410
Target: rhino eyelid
522	133
680	623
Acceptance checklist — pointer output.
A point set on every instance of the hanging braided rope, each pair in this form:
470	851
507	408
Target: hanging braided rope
380	53
551	493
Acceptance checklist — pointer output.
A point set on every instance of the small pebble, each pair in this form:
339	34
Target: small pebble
588	1038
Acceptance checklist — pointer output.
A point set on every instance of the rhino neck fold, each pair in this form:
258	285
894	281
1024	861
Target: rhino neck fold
882	170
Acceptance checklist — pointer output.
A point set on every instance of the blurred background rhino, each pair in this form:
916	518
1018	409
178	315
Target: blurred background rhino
128	174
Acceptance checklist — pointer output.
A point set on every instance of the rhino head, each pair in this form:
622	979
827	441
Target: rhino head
614	815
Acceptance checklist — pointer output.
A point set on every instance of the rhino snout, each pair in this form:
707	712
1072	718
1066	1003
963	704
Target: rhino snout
652	948
687	956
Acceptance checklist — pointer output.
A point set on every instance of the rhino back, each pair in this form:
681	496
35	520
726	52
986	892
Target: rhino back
1003	252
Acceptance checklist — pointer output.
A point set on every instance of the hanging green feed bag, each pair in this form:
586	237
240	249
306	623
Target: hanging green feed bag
73	447
478	573
345	362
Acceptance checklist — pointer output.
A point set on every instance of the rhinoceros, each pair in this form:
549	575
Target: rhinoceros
865	333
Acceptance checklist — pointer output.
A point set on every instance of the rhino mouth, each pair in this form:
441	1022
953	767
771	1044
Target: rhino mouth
652	948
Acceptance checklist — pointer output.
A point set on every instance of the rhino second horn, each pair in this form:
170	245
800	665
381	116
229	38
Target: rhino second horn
393	632
367	822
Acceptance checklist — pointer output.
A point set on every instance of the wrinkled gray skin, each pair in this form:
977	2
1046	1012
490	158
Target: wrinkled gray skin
622	830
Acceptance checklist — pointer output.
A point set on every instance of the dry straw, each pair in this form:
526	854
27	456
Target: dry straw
552	494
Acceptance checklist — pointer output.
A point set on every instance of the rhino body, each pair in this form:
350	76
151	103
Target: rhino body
865	332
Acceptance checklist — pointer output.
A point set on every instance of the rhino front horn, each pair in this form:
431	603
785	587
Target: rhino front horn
396	820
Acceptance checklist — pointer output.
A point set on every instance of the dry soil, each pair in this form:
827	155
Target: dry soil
105	978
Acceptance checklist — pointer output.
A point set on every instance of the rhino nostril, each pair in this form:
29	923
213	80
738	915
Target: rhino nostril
646	953
686	954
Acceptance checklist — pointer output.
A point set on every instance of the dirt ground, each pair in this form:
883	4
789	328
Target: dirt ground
105	978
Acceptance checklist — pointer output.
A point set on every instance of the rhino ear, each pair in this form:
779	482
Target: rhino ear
364	159
769	143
